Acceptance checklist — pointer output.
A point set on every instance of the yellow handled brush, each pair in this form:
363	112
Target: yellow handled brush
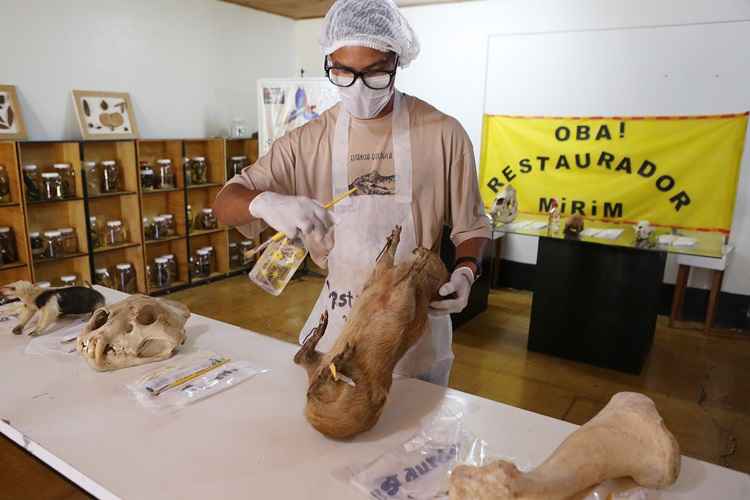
280	236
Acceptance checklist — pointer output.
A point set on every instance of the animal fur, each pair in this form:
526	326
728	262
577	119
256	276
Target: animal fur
51	303
388	318
574	224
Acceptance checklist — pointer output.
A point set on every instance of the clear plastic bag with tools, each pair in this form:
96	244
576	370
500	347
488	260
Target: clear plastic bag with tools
190	379
277	265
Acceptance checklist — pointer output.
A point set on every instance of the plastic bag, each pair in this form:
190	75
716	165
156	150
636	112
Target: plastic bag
192	379
620	489
59	339
420	468
277	265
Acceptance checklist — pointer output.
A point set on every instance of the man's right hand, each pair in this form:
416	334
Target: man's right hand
295	216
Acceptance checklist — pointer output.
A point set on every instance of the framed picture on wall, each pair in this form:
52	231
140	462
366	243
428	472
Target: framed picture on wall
105	115
12	126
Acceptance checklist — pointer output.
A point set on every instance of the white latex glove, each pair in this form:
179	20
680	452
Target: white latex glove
295	216
460	284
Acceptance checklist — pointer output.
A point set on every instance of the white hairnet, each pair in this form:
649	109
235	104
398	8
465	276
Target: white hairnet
377	24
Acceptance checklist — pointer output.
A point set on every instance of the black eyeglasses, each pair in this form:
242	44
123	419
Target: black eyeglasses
345	77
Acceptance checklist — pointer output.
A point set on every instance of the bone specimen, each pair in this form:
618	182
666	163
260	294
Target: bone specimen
135	331
348	386
626	439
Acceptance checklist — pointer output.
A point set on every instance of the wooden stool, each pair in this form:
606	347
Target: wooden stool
717	267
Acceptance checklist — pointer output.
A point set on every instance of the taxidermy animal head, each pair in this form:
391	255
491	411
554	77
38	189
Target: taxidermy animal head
348	386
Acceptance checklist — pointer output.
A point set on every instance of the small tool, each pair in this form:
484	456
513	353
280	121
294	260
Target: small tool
340	377
188	378
279	236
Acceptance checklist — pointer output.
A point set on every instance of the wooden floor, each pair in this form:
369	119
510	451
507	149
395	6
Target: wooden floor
700	384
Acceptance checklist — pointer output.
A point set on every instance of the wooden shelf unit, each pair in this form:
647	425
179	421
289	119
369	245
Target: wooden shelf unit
176	247
46	216
241	147
130	205
12	215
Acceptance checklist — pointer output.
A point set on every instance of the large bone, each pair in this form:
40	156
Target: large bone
626	439
387	319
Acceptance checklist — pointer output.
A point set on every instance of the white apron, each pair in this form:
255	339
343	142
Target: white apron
363	224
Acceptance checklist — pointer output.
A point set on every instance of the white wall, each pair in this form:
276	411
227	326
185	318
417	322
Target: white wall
450	72
190	65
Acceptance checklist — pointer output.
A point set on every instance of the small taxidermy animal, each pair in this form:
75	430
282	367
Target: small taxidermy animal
574	225
51	303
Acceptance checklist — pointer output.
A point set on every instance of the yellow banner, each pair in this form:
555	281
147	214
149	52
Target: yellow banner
671	171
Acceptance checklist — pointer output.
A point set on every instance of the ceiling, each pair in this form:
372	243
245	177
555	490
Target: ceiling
309	9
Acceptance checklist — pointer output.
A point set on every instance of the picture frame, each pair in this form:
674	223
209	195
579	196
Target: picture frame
12	126
104	115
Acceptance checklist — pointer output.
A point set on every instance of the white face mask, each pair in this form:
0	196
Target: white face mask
363	102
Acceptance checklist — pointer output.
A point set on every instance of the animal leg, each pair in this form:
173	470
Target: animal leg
47	316
307	356
26	315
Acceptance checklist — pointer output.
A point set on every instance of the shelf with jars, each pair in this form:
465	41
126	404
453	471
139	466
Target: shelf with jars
239	245
121	269
53	190
203	163
166	265
14	257
209	256
240	153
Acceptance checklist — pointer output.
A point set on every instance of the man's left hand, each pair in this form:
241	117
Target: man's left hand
460	284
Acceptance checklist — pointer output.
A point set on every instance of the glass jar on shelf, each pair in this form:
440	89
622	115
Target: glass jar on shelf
110	176
245	247
148	228
69	280
165	174
199	168
148	179
93	178
69	240
8	252
53	245
202	267
207	220
52	187
235	259
43	284
160	228
125	280
4	185
187	170
115	234
170	224
95	232
37	245
172	266
32	181
212	256
103	277
160	275
236	164
67	179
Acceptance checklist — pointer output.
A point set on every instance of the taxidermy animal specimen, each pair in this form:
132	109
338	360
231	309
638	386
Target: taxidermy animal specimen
348	386
51	303
132	332
626	439
574	225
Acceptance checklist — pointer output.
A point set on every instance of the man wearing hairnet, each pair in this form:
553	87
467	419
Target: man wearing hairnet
413	166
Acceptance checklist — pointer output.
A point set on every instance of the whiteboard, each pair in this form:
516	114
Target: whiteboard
693	69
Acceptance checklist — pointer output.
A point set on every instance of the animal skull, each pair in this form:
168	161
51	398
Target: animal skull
505	208
133	332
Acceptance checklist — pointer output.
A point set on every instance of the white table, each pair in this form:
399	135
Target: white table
251	441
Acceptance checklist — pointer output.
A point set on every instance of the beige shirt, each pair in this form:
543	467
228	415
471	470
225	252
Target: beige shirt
444	179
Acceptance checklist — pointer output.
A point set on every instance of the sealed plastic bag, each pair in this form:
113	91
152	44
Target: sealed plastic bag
420	468
190	379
